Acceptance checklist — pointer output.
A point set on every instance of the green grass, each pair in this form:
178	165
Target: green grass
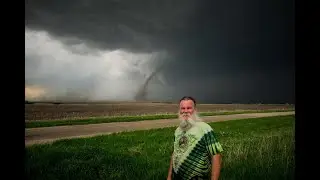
97	120
261	148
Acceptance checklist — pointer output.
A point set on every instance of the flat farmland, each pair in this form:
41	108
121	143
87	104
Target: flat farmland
59	111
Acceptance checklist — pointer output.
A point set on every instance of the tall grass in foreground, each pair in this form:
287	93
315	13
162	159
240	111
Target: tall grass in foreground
261	148
269	157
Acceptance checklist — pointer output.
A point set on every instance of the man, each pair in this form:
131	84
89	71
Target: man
196	153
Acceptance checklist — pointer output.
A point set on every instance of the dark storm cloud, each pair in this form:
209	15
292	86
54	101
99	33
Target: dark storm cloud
140	25
220	50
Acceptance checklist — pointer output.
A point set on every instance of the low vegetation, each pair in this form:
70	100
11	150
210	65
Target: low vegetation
261	148
34	124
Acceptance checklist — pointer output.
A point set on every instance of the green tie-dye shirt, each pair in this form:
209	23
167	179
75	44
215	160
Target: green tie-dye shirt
193	151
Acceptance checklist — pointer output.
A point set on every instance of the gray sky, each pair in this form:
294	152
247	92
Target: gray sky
217	51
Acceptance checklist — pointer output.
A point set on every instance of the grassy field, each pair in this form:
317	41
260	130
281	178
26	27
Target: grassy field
261	148
66	111
108	119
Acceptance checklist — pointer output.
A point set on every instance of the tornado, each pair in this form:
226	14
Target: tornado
142	93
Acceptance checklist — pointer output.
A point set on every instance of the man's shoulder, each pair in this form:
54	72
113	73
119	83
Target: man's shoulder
204	126
178	129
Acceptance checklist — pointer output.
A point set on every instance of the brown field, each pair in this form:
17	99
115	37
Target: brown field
49	111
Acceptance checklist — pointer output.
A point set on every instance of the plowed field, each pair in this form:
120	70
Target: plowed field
49	111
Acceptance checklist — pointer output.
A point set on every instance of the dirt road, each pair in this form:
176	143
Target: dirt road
50	134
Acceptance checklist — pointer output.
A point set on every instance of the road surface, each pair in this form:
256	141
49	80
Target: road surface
50	134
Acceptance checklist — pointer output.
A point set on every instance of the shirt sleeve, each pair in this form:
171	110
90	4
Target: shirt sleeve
212	144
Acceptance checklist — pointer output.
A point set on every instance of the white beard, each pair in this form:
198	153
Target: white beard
185	125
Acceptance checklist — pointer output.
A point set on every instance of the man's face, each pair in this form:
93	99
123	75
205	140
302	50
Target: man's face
186	109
